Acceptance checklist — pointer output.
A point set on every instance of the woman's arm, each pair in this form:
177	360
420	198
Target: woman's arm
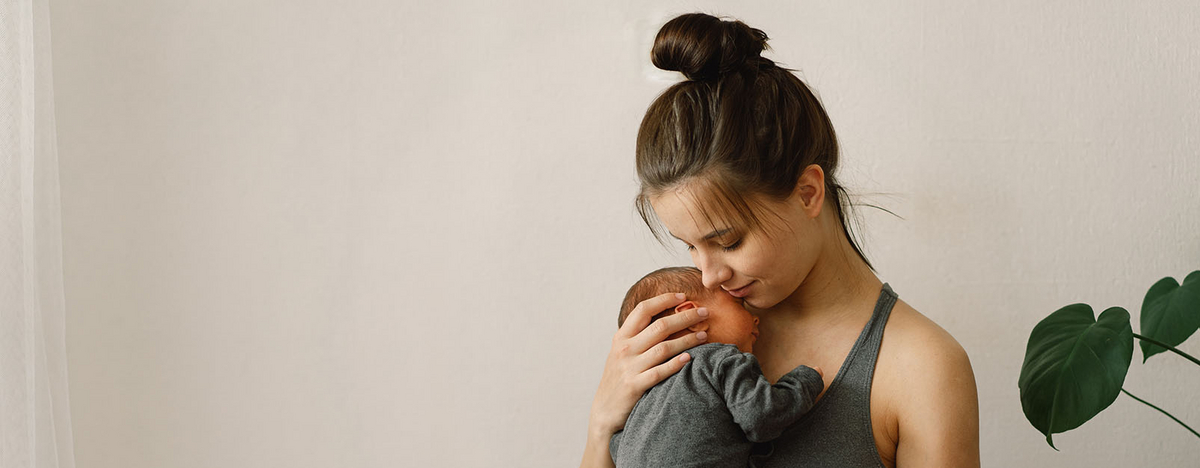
639	359
595	454
939	421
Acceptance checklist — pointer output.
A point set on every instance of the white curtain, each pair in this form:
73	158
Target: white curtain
35	412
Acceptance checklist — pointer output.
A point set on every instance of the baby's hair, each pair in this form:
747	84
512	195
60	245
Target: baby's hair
687	280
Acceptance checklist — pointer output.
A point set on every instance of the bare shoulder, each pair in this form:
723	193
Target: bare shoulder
911	339
926	395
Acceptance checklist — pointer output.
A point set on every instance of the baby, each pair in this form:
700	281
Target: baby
712	411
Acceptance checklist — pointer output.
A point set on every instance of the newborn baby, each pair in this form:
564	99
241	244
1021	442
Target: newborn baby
712	411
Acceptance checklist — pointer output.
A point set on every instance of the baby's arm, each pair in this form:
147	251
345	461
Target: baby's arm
761	409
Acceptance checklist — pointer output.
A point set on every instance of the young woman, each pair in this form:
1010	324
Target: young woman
737	162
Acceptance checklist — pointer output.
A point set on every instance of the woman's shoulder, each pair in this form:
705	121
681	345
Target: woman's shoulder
912	339
924	385
916	352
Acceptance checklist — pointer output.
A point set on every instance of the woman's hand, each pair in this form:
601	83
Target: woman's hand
639	359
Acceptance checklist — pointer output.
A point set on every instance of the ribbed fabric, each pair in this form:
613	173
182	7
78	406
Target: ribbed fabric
708	414
836	432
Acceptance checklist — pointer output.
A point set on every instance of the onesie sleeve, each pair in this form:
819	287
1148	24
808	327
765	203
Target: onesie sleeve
763	410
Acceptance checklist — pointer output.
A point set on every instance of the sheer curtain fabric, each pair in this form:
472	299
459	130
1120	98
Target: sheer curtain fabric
35	415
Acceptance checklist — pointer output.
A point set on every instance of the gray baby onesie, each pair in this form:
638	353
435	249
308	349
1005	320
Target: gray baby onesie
711	412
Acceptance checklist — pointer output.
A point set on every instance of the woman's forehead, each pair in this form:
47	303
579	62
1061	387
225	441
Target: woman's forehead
687	217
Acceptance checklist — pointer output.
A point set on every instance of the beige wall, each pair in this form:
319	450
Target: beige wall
382	233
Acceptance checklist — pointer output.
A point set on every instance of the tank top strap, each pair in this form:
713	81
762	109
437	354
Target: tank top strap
874	328
859	368
837	430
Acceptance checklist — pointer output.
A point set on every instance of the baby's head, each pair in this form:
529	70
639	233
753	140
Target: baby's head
728	321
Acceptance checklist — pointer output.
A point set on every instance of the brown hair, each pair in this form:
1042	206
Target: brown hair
739	126
661	281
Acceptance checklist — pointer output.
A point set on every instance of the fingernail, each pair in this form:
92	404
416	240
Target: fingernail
680	296
702	336
703	312
685	357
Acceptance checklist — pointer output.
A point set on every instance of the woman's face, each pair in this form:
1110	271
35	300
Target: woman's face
762	266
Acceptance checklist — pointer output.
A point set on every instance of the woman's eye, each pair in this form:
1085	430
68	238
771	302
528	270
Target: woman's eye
726	248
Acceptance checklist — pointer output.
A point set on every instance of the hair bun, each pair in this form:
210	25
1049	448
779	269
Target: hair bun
704	47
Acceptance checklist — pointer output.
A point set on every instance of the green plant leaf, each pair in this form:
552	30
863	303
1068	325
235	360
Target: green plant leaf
1074	367
1170	313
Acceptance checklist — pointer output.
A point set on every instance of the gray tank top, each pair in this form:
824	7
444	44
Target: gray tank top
837	431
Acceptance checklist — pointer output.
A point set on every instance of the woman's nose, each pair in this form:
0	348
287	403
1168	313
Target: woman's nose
712	275
756	321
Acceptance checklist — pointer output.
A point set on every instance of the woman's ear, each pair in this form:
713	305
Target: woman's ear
699	327
809	194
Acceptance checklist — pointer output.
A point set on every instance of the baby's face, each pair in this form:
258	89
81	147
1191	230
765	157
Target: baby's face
729	321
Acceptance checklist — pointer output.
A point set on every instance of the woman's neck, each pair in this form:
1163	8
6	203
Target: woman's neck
838	284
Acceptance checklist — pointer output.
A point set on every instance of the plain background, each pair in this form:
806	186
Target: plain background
380	233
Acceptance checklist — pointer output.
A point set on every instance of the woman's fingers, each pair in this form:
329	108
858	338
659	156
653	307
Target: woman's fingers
627	375
668	349
633	366
647	309
664	327
656	374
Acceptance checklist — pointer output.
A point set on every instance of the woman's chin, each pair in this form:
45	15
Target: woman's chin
759	301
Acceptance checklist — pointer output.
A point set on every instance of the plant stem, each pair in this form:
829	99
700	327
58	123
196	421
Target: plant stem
1161	411
1169	347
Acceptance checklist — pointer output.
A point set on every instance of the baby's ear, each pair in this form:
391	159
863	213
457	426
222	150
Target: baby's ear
685	306
702	326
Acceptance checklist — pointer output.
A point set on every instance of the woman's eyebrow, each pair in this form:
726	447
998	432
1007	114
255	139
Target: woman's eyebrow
716	233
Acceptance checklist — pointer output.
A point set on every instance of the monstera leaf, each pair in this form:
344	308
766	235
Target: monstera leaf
1074	367
1170	313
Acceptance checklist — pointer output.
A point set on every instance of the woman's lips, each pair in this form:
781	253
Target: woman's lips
740	292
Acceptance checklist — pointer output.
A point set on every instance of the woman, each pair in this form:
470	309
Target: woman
738	163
